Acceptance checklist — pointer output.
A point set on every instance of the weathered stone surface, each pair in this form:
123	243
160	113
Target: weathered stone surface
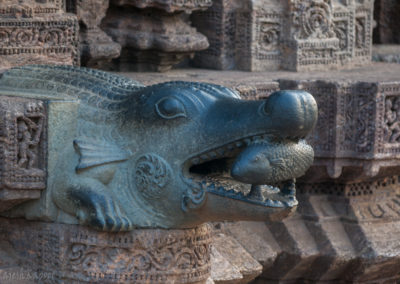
167	5
386	15
57	253
23	150
222	271
37	32
238	257
154	35
96	47
151	40
293	35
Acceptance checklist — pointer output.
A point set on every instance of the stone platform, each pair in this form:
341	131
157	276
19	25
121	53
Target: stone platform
75	254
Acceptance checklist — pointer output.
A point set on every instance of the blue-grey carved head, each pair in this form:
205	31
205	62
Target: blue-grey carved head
177	154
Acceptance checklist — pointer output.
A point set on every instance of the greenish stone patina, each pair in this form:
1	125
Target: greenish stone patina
172	155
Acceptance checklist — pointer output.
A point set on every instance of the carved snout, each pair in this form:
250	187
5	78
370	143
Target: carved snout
293	113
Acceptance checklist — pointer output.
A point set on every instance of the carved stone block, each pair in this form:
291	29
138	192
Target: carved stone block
154	35
75	254
37	32
96	47
293	35
23	150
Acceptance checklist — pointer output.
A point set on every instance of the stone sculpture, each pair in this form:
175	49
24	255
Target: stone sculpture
155	35
37	32
115	159
293	35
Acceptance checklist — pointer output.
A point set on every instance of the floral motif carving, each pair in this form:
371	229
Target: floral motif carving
313	19
270	35
37	32
152	175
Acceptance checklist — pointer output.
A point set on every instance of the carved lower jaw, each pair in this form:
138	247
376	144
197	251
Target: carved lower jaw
264	195
222	184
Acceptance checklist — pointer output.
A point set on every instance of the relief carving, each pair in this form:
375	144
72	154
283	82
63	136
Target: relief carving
29	131
312	19
392	120
22	150
37	32
316	34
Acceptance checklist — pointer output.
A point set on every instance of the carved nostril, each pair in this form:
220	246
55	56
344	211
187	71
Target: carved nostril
294	112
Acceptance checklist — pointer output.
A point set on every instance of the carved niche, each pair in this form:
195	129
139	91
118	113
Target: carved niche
23	146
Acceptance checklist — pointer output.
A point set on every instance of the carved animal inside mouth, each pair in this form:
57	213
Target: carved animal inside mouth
258	169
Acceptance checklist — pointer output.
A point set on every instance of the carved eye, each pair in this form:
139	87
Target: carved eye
169	108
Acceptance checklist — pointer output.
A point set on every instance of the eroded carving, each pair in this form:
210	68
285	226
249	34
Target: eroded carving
22	150
294	35
71	253
37	32
154	35
29	131
312	19
96	47
392	120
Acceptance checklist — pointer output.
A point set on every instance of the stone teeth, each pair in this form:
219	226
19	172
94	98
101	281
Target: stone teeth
195	161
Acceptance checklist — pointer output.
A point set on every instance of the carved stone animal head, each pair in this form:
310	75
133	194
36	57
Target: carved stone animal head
175	154
193	136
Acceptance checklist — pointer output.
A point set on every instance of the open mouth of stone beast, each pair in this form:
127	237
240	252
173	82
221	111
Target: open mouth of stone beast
212	170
